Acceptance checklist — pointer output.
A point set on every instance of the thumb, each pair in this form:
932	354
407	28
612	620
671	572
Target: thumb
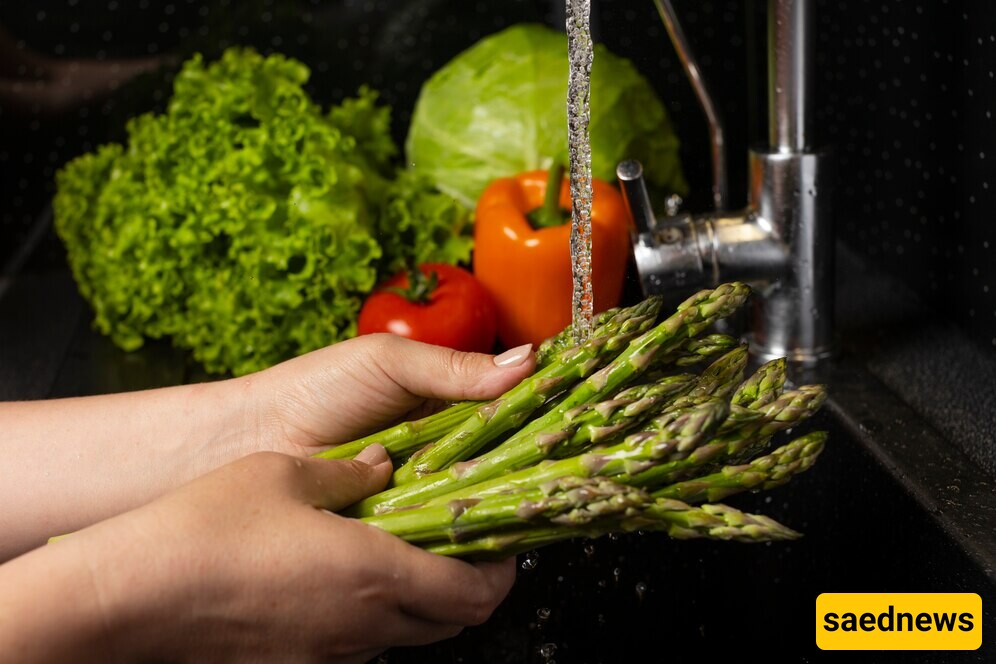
437	372
336	484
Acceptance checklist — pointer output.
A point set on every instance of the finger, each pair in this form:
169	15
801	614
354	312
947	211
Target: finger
402	629
449	591
443	373
335	485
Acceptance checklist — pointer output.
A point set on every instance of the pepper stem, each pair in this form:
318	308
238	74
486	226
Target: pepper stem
550	214
420	286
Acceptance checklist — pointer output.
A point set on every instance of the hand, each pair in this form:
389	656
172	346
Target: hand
72	462
239	565
353	388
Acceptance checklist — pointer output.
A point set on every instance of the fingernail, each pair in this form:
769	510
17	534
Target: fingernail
373	455
514	357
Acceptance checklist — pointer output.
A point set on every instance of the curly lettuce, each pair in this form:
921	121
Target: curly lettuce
244	222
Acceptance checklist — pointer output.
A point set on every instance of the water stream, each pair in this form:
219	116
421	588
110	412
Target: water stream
580	54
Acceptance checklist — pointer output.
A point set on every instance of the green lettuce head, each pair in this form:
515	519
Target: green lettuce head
500	108
245	223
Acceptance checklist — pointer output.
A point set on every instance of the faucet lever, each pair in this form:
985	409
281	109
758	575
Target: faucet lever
634	191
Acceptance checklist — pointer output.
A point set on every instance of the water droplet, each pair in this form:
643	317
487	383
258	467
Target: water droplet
530	561
589	549
641	590
548	650
616	573
543	613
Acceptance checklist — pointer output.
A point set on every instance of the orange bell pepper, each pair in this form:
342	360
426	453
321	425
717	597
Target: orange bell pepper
527	269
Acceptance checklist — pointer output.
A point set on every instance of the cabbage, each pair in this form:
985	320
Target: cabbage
500	108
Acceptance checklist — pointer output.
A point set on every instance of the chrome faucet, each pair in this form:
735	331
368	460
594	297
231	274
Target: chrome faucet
782	243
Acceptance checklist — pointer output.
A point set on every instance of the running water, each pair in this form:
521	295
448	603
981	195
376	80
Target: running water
580	52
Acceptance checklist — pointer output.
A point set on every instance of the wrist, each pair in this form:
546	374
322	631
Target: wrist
52	609
230	424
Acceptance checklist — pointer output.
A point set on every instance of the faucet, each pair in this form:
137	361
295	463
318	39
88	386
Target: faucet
782	242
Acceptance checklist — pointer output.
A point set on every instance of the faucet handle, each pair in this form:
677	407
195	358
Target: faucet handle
635	195
666	252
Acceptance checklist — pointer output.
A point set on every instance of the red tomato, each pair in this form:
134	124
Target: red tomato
457	312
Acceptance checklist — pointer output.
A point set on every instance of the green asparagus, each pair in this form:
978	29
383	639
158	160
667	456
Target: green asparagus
766	472
511	409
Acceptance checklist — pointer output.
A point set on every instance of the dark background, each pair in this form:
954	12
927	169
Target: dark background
905	96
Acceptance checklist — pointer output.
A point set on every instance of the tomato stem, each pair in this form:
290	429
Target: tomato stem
550	214
420	286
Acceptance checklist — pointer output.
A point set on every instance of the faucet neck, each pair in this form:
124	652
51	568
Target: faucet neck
790	75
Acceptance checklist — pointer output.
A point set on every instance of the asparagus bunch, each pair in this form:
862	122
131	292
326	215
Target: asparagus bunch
614	435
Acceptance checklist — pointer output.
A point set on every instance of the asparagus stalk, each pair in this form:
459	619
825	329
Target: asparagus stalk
558	435
675	518
547	351
766	472
696	351
741	443
762	387
407	437
719	379
567	501
512	408
676	434
693	315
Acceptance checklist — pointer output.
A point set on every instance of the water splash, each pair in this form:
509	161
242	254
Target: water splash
580	53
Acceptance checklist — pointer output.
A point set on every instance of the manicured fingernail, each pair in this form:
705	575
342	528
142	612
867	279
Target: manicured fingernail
514	356
373	455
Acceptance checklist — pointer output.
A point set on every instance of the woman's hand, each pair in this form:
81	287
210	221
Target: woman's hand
356	387
243	564
69	463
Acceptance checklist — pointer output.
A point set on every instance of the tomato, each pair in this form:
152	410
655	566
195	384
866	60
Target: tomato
452	310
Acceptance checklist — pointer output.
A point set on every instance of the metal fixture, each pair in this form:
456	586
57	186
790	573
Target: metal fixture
782	243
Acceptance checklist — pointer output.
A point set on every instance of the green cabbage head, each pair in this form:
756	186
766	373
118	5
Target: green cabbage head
500	108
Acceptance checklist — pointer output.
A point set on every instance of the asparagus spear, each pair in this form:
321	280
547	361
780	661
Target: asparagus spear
675	518
719	378
559	435
693	315
741	443
569	501
767	472
407	437
762	387
512	408
675	435
547	351
696	350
